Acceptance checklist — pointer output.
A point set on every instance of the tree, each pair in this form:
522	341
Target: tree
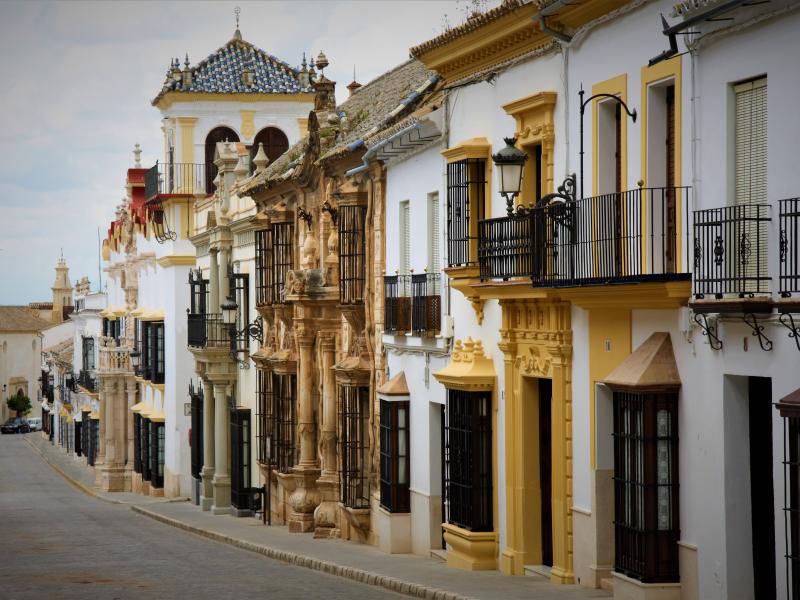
20	404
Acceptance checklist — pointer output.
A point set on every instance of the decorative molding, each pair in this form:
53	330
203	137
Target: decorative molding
177	260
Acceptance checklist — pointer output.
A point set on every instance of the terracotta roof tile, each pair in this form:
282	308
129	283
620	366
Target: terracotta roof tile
21	318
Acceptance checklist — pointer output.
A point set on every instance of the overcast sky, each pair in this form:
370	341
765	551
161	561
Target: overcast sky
77	81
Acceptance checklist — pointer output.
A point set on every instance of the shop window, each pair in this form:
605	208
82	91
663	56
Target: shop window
394	444
468	460
354	446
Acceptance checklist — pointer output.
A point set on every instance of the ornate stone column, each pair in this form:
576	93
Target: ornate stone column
305	496
328	483
130	388
207	474
105	388
213	292
222	479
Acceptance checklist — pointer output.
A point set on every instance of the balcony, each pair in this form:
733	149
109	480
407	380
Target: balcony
176	179
114	358
730	252
207	331
412	304
789	247
87	382
624	237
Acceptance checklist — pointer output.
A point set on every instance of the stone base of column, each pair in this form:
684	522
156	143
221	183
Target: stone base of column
206	488
156	492
222	495
138	485
98	467
325	515
128	478
111	478
304	499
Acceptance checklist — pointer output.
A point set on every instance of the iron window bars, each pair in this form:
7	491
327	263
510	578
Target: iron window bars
86	432
730	251
263	267
646	523
627	236
144	448
78	439
277	420
87	382
165	179
240	458
468	460
156	436
153	351
94	440
208	331
394	445
466	202
789	247
87	347
196	401
412	303
791	500
274	259
239	286
354	446
351	220
137	443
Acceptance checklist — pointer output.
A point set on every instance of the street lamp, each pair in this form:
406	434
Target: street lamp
136	358
509	162
630	113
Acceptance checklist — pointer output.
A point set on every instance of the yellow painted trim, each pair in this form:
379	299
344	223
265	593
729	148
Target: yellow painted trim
302	125
248	127
469	368
470	550
94	415
668	69
177	97
652	295
186	125
158	386
472	148
617	86
177	260
153	315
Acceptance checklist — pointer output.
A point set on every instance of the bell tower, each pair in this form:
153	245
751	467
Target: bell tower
62	291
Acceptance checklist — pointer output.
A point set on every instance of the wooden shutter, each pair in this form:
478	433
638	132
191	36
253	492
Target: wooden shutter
434	252
751	142
405	237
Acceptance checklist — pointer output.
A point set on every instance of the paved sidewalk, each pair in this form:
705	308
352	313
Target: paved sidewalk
417	576
75	470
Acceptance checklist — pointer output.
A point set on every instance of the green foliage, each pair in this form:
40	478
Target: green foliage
19	404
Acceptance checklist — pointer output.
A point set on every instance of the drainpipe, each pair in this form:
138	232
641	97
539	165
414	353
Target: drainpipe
374	149
548	11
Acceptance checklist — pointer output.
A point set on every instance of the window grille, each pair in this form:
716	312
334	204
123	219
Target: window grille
466	190
354	446
426	304
394	444
239	286
198	292
94	440
137	443
352	253
145	448
396	304
282	258
157	454
78	439
263	267
646	486
88	353
468	460
240	458
791	501
789	246
86	430
196	399
155	352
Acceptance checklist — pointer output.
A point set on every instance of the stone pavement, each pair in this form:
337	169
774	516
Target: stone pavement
409	574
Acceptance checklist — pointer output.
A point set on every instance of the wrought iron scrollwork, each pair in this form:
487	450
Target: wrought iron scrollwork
719	250
708	330
751	321
334	213
304	215
160	223
698	253
787	320
745	249
783	245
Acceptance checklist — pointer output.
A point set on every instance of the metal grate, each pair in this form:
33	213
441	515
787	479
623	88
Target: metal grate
174	179
730	251
196	400
646	525
396	304
282	259
466	197
505	246
137	442
239	285
86	431
791	503
263	267
352	253
207	331
426	304
144	446
468	460
354	446
394	446
789	246
240	458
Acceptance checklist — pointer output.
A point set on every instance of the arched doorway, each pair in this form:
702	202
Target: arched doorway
218	134
275	143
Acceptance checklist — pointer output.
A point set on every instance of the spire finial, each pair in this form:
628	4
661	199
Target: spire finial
237	35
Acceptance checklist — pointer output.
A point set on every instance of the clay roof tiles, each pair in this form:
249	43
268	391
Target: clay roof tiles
21	318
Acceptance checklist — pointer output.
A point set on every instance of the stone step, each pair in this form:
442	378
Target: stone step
439	554
607	584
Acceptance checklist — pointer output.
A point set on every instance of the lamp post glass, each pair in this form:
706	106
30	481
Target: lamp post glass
510	162
135	358
229	308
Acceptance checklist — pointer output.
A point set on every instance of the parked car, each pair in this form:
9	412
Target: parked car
15	425
35	424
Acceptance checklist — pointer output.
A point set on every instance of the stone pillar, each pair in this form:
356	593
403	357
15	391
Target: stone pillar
222	478
328	483
213	292
207	475
130	388
224	287
105	388
305	497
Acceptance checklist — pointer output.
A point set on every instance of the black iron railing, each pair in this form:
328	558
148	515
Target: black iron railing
412	303
789	246
730	251
207	330
636	235
397	304
87	382
175	178
466	190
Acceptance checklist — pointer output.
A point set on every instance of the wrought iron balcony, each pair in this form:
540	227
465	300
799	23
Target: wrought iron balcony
412	303
207	330
730	251
175	179
87	382
637	235
789	246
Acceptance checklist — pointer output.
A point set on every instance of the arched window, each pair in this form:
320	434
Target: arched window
275	143
218	134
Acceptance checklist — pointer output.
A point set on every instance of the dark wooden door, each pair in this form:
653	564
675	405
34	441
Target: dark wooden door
669	198
762	497
545	468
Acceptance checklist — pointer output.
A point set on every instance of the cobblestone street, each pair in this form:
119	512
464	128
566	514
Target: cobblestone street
59	543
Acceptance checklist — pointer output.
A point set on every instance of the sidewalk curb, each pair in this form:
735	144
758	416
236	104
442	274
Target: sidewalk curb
370	578
73	482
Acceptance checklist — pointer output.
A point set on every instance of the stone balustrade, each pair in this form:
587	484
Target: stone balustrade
114	358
